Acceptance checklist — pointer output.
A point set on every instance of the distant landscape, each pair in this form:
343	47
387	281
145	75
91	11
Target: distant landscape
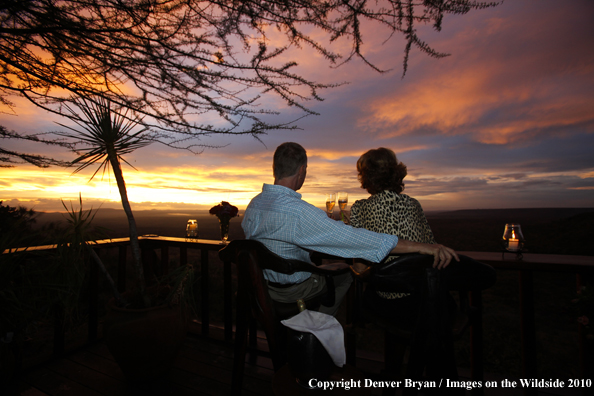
154	222
547	230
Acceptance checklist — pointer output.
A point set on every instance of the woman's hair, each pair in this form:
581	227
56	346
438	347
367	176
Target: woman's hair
380	170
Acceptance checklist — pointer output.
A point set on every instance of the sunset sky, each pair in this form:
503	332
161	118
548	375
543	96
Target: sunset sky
507	121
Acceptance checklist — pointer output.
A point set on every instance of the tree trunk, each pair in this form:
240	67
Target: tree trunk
134	243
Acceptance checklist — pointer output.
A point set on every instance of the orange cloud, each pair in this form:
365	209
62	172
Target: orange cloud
460	102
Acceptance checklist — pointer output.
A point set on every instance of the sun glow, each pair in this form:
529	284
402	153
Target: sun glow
154	186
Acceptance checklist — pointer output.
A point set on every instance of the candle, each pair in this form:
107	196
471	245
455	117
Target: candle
192	228
513	244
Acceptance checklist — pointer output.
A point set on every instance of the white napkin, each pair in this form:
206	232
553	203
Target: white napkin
326	328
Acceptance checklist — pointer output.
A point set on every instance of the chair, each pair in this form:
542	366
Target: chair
254	302
431	329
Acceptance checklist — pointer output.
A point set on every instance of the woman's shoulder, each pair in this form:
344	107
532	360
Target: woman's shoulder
367	202
394	196
358	203
401	201
408	199
385	197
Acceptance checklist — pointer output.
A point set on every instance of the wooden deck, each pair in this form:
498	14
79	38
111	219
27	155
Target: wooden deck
202	368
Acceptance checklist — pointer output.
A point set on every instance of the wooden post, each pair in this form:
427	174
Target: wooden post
165	259
476	343
351	316
228	301
586	358
183	256
204	283
123	255
93	300
58	330
528	328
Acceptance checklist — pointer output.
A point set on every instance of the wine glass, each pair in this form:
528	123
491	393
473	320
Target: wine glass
343	199
330	202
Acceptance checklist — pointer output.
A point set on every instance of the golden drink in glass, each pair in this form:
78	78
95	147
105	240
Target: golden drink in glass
343	199
330	202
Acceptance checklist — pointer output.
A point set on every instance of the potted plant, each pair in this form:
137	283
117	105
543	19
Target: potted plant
145	328
33	284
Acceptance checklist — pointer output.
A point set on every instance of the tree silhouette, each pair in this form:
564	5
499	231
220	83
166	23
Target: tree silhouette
8	158
166	65
106	136
175	63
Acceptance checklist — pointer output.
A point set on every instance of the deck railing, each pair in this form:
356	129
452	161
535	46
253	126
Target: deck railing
526	265
582	266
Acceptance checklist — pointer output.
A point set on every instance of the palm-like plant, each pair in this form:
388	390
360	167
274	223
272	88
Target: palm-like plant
75	240
106	136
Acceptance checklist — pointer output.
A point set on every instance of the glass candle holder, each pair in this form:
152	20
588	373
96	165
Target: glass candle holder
192	228
513	239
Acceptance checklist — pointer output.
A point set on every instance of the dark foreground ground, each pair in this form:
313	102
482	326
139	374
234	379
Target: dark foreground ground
204	368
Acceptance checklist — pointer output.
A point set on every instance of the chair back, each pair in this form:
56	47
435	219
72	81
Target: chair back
431	333
253	298
407	273
254	302
251	257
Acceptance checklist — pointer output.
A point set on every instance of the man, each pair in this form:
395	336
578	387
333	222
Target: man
292	228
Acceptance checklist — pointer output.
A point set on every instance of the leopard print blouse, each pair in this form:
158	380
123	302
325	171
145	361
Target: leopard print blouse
396	214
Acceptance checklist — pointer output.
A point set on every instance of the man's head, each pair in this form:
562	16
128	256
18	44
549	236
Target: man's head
290	159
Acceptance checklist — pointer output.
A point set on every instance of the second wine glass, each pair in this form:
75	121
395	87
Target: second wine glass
343	199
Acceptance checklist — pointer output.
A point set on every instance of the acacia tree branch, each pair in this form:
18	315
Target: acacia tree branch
10	158
170	61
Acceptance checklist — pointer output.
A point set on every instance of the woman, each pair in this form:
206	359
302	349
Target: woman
390	211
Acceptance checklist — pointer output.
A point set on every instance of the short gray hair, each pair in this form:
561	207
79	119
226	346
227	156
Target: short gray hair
288	158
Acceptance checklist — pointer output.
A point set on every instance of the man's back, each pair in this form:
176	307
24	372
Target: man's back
291	228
